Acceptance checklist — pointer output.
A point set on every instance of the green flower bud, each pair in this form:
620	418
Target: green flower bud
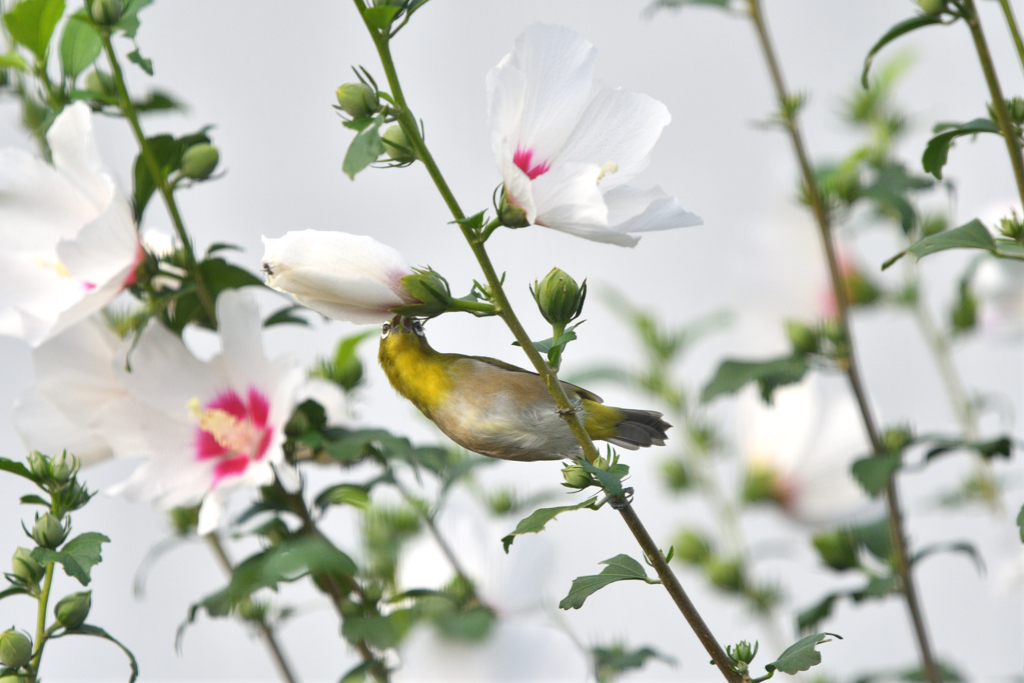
691	547
895	439
964	315
106	12
358	99
16	678
803	338
759	484
502	502
1012	227
60	471
726	573
576	477
252	610
431	289
48	531
559	298
184	520
837	548
742	652
859	289
933	224
511	215
101	82
72	610
199	160
24	566
39	464
15	648
675	475
931	6
397	145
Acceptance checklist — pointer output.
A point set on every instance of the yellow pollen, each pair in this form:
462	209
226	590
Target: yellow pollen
54	265
609	167
238	436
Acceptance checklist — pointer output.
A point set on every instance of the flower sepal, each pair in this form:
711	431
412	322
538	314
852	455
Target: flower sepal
431	290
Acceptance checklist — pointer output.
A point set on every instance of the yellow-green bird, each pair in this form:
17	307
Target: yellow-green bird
497	409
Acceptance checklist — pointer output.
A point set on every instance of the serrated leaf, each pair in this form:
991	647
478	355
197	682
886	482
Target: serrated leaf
129	22
620	568
344	494
79	46
89	630
874	471
534	523
733	375
610	662
135	57
17	468
380	17
78	556
801	655
365	148
936	152
902	28
31	23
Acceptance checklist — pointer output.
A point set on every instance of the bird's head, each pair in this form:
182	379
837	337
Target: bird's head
401	335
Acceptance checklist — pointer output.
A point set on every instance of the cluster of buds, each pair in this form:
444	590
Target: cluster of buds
1012	227
59	477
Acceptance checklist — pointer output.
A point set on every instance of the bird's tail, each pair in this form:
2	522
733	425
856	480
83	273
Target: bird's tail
639	429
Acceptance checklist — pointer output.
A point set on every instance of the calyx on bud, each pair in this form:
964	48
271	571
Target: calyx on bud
838	549
199	161
431	289
15	648
73	609
511	214
559	298
397	145
576	477
24	567
1012	226
48	532
357	99
932	6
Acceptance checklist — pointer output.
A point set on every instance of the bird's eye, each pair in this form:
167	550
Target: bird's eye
385	331
417	327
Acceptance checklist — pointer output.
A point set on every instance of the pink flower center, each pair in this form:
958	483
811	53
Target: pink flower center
523	158
233	431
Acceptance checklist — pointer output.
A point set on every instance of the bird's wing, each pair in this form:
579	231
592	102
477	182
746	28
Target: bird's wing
580	391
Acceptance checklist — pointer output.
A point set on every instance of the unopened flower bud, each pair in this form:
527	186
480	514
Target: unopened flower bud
576	477
431	289
106	12
726	573
1012	226
358	99
743	652
559	298
24	566
931	6
39	464
48	532
803	338
895	439
60	471
837	548
15	648
691	547
397	145
675	475
511	215
199	160
760	483
73	609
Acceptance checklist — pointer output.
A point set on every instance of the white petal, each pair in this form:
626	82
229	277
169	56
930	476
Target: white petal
39	205
210	513
518	188
634	210
568	199
44	428
346	277
554	77
73	145
619	127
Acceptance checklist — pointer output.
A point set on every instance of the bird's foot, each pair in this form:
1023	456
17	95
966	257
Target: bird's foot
620	502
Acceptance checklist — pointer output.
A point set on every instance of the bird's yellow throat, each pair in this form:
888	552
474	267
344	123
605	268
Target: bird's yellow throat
415	370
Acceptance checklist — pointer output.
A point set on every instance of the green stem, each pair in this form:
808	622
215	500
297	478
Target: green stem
823	219
267	635
486	231
998	102
42	600
565	407
473	306
153	166
1011	22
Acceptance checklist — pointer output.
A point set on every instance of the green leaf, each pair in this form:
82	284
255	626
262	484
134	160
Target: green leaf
535	522
812	616
34	500
14	61
351	447
620	568
874	471
89	630
1001	447
732	375
611	662
1008	248
955	547
546	345
31	23
379	631
801	655
380	17
167	150
971	235
611	479
1020	523
135	57
344	494
220	275
129	22
157	100
17	468
79	46
364	149
892	34
937	151
285	316
876	537
13	590
78	556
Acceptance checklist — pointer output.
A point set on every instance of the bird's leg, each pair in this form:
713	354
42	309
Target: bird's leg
623	501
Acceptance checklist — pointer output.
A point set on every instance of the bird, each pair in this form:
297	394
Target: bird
499	410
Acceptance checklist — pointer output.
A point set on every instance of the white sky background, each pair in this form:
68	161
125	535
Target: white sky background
265	73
